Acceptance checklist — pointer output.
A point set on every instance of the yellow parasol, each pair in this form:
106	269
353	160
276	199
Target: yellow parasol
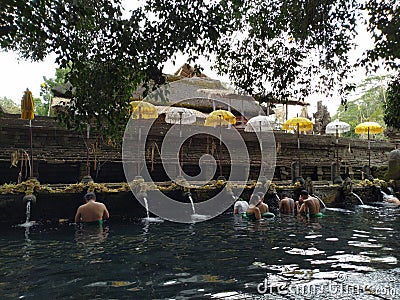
368	127
27	106
220	118
142	110
27	113
298	124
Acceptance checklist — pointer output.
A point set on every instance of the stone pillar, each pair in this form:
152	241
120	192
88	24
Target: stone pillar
284	173
320	173
333	171
394	164
336	178
293	171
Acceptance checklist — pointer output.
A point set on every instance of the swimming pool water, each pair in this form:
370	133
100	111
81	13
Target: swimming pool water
344	255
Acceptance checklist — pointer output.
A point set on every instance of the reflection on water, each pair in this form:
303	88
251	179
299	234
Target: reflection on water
340	256
91	234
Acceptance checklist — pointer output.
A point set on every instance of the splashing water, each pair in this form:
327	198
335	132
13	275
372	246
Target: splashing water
148	218
28	211
27	223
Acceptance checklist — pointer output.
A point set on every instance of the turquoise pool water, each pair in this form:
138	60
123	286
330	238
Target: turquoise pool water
344	255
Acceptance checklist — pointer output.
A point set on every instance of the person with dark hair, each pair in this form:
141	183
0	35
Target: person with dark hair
92	212
286	205
308	205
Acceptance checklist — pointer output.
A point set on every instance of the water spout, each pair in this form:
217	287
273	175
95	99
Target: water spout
191	202
385	196
28	212
320	200
146	205
195	217
277	197
148	218
358	197
28	199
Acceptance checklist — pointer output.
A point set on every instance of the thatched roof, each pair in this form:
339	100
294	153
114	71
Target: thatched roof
60	101
189	89
165	109
187	71
205	95
62	89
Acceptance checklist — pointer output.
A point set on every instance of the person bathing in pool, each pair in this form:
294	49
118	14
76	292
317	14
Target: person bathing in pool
92	211
263	207
309	206
286	205
256	207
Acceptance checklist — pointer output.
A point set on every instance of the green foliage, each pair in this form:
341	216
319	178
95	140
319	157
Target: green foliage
384	25
289	48
50	83
40	107
9	106
367	107
275	49
392	104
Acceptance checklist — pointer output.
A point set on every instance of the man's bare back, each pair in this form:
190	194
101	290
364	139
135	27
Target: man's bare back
313	205
286	206
91	211
310	204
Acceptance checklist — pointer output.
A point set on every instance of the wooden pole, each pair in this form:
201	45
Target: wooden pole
220	146
369	154
31	153
298	148
337	152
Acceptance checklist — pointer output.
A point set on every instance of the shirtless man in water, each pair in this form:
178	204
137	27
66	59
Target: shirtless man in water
286	205
92	211
309	206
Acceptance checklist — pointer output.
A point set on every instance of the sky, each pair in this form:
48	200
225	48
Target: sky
17	75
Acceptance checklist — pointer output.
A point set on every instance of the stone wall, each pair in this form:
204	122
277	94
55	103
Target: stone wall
60	154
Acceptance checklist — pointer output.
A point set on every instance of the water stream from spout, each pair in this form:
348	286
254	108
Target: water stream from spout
28	211
148	219
320	200
358	197
27	223
191	202
146	205
196	217
277	197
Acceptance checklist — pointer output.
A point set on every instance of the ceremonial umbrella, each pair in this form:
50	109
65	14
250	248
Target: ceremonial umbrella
141	111
259	124
220	118
369	128
298	123
27	113
180	115
337	127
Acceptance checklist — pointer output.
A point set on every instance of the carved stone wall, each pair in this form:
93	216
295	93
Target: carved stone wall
60	154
